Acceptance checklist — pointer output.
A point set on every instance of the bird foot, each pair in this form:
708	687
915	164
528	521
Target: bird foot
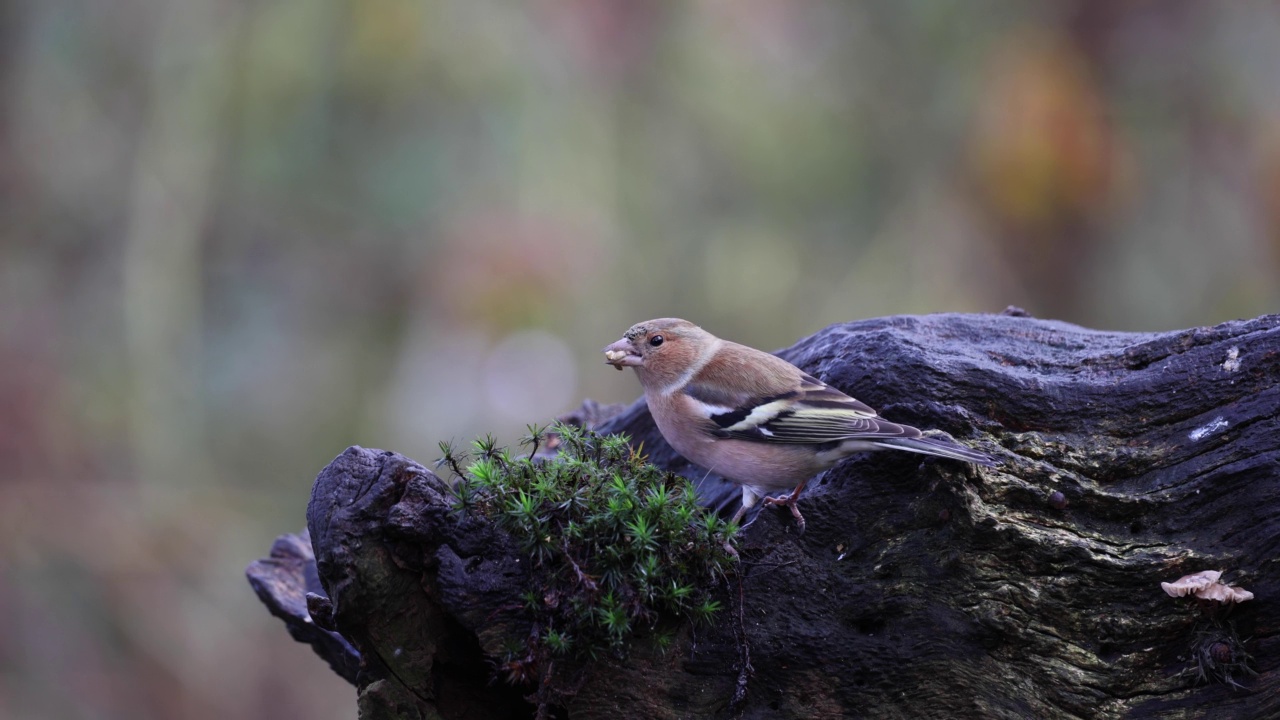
788	500
733	552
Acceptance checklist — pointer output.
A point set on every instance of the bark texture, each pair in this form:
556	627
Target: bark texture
922	588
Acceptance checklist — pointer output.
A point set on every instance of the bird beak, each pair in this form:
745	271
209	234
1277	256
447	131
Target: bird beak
620	355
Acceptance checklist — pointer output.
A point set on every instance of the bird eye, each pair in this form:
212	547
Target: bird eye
656	340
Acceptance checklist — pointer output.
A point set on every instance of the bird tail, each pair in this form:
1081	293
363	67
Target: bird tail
938	448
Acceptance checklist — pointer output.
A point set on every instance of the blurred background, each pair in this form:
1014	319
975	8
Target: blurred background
236	237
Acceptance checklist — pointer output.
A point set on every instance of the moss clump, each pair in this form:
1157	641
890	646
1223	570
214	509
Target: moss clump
617	544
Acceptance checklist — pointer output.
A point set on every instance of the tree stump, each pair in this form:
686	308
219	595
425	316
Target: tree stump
922	587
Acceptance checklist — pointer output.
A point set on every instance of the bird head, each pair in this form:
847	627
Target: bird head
653	345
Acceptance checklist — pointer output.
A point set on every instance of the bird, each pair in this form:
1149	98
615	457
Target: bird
754	418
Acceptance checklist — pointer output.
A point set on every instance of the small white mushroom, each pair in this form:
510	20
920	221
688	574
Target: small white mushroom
1205	586
1224	593
1188	584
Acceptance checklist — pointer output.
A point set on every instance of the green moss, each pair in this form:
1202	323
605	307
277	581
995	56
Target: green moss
617	544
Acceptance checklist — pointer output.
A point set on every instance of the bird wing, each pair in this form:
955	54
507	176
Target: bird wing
812	412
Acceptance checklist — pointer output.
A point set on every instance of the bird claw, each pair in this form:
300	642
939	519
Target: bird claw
790	501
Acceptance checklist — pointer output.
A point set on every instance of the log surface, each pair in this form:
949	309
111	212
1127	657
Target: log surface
922	588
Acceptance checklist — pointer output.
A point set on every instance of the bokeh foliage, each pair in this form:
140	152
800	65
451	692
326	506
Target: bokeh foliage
236	237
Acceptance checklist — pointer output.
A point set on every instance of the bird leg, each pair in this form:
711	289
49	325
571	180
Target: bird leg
748	501
790	501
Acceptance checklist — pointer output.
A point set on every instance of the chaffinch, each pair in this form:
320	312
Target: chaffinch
753	417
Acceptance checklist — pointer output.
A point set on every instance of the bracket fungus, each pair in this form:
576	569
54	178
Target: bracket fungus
1205	586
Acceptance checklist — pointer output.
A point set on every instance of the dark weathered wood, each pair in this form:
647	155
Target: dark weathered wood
284	580
921	588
